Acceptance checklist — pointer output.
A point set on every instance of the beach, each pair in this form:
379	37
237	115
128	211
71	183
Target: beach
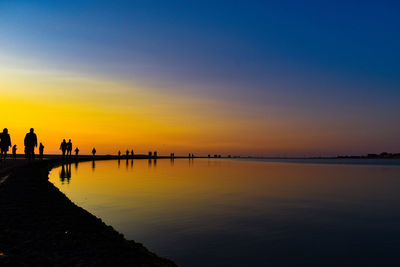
40	226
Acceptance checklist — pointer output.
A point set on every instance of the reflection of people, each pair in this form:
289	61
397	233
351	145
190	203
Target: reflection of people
68	172
65	173
30	143
41	149
5	143
93	165
62	173
14	151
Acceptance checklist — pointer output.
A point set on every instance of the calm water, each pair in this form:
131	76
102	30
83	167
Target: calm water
221	212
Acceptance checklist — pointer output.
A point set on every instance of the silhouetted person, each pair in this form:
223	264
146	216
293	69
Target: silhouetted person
14	151
41	149
69	148
132	153
63	148
119	154
76	152
127	153
94	152
30	143
5	143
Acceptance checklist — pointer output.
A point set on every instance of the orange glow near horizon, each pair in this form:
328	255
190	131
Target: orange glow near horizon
112	116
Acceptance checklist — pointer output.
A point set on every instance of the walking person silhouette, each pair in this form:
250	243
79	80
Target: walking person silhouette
30	143
5	143
63	147
41	149
69	148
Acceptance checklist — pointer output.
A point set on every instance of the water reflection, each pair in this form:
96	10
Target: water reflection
65	173
119	163
221	212
93	165
76	165
191	161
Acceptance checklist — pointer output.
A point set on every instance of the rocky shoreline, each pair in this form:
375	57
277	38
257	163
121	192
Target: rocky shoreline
40	226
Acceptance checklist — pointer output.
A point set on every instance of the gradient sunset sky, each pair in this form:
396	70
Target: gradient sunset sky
266	78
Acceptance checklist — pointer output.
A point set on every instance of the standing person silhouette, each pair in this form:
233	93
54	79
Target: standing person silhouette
5	143
132	153
119	153
30	143
14	151
94	152
41	149
76	152
127	153
69	148
63	147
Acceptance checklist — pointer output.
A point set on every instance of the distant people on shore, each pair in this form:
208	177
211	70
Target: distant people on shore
94	152
119	153
127	153
30	143
5	143
132	153
69	148
41	150
76	152
63	147
14	151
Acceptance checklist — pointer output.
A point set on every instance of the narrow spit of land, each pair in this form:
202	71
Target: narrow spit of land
40	226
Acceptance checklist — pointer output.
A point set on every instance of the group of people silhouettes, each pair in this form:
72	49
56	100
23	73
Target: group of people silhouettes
66	149
127	153
30	142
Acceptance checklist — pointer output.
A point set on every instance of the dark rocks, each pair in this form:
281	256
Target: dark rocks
40	226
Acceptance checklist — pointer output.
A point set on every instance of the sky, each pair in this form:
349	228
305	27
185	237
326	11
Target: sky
261	78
